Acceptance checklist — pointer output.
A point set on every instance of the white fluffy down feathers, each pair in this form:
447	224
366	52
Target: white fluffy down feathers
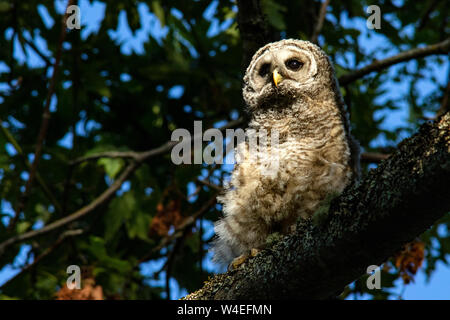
315	156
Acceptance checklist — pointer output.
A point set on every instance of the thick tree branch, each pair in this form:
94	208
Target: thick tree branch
366	225
255	31
438	48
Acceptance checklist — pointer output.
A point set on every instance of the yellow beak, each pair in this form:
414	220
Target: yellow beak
277	78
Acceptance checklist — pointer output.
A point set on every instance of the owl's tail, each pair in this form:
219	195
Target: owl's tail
223	247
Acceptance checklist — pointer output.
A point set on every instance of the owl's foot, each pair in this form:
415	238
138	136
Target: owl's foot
242	258
254	252
237	262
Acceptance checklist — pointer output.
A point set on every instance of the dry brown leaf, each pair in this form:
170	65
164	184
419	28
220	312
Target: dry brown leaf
167	216
409	260
88	291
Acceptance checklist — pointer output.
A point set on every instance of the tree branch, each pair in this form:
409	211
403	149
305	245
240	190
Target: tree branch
24	159
44	123
364	226
141	156
255	31
35	49
438	48
61	238
320	20
187	224
104	197
138	157
426	17
445	105
373	157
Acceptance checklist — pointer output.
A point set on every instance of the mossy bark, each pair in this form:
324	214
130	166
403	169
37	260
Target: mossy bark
365	225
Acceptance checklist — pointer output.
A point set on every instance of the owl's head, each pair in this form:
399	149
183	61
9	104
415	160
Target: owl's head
286	70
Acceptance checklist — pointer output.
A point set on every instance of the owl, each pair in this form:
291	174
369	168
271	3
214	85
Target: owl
290	89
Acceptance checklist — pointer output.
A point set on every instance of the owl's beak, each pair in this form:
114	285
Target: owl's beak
277	78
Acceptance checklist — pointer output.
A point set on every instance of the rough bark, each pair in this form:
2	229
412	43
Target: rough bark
364	226
255	31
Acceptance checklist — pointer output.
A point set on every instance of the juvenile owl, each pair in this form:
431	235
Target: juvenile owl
289	87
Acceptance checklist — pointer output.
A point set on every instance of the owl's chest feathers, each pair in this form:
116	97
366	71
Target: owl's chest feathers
310	161
306	132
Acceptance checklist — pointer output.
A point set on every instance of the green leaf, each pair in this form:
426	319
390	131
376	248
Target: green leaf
112	166
138	225
4	6
159	12
119	211
22	226
5	297
274	13
98	250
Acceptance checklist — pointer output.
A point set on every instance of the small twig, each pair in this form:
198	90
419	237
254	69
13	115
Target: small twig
438	48
210	185
320	20
62	237
110	154
178	236
76	78
187	223
348	101
11	49
141	156
66	189
170	260
35	49
445	105
39	179
373	157
193	194
44	123
200	245
426	17
106	195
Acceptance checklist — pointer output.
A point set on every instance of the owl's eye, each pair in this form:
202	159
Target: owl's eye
264	70
294	64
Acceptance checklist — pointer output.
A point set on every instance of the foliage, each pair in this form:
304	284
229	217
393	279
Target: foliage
110	98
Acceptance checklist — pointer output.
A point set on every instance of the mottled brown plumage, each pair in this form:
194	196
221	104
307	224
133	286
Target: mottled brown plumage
316	155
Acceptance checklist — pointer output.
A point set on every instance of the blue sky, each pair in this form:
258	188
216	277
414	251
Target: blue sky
437	287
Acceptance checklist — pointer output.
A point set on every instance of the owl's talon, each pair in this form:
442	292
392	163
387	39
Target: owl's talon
254	252
237	262
242	258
